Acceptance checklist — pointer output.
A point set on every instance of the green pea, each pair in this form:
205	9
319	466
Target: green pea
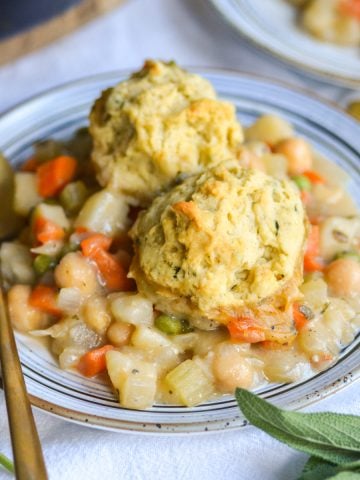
73	196
302	182
43	263
172	325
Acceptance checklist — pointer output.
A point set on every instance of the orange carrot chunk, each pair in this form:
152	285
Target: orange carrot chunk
46	231
351	8
52	176
312	263
111	269
242	329
44	298
300	320
95	242
113	272
314	177
305	197
94	362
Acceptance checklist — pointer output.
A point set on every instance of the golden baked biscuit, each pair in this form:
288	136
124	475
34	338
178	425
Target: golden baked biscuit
159	124
225	243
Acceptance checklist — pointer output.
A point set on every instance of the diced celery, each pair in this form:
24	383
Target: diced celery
26	195
190	383
9	221
104	212
73	196
302	182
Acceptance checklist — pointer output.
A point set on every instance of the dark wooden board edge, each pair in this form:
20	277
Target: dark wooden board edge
26	42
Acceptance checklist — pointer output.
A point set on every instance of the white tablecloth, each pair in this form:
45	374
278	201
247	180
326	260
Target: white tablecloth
190	32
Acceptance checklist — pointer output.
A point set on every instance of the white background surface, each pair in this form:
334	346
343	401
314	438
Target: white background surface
188	31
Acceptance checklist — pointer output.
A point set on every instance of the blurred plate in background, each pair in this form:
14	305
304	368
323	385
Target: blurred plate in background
271	25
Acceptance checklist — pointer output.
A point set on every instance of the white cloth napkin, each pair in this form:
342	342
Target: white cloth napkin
190	32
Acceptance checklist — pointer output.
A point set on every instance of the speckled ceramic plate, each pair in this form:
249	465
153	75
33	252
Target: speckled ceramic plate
90	401
272	25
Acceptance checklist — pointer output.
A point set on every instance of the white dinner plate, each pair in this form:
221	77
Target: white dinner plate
272	25
57	113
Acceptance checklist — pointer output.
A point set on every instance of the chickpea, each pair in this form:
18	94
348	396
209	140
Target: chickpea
24	317
343	277
297	153
119	333
75	271
231	369
96	315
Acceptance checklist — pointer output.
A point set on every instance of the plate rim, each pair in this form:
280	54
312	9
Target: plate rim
185	428
317	73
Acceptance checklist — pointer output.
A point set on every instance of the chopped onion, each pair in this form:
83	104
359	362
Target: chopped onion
50	248
70	356
70	300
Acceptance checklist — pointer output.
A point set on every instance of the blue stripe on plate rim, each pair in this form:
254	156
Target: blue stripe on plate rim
90	401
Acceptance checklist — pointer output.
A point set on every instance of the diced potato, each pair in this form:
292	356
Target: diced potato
275	165
186	341
16	264
190	383
270	129
24	317
285	366
157	347
149	339
54	213
10	222
315	293
69	300
104	212
319	342
70	356
134	379
132	308
96	315
338	234
338	318
26	194
139	389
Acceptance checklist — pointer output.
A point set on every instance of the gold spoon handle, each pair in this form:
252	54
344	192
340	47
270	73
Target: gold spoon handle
28	457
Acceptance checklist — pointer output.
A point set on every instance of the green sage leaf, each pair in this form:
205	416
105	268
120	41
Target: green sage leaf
345	476
318	469
333	437
6	463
